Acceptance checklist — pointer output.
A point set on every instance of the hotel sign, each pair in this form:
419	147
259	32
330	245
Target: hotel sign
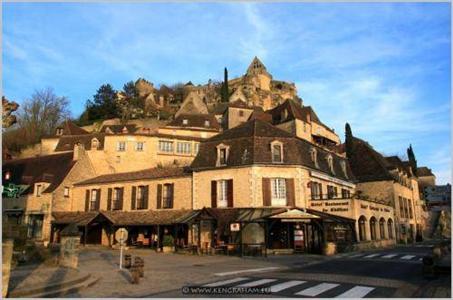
373	208
331	205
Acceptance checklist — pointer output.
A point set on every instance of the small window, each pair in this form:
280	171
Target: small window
66	191
141	201
185	121
167	200
241	113
38	190
332	192
94	144
59	131
316	190
207	123
314	156
166	146
343	168
345	193
277	153
116	199
93	200
222	155
330	163
139	146
184	148
278	191
222	193
121	146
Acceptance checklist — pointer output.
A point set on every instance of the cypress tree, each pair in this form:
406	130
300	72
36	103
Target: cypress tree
412	160
348	140
225	94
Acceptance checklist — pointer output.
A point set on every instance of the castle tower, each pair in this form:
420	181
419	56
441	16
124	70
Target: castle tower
258	76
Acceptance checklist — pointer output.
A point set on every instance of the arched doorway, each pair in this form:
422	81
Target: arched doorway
373	228
390	228
382	228
362	228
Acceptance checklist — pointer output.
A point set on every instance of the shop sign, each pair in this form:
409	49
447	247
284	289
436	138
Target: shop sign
235	227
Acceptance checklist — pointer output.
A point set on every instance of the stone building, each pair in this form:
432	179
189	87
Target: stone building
391	181
259	172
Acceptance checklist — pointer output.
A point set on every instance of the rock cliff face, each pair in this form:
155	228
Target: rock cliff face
256	86
8	107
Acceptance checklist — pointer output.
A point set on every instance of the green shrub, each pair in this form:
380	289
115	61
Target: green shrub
168	241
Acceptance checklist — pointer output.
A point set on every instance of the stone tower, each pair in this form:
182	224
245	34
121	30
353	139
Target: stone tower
258	76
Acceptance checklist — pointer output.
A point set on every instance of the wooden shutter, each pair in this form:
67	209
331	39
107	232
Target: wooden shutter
121	199
290	196
230	192
98	199
266	192
171	189
213	193
320	190
87	200
134	192
159	196
146	196
109	199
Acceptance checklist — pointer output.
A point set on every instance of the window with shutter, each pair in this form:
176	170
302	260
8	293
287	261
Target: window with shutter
133	197
230	192
266	186
109	199
278	186
222	190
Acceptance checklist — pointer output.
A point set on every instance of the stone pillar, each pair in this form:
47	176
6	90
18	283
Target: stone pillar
69	247
7	254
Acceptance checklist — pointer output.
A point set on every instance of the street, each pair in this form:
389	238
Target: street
382	273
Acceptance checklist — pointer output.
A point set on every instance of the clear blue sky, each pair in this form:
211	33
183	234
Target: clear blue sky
385	68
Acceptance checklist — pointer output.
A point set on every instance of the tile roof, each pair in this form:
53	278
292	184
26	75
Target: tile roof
367	164
295	111
66	143
250	144
153	173
196	121
219	108
77	217
118	129
424	171
69	128
50	168
394	162
148	217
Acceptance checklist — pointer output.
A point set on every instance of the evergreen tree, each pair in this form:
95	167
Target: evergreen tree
348	140
103	105
225	93
412	160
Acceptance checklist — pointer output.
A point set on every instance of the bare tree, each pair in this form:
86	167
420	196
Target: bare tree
40	115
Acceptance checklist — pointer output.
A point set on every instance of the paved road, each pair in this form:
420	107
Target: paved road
382	273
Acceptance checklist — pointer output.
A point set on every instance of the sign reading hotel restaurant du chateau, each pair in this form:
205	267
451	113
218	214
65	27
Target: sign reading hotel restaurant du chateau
331	205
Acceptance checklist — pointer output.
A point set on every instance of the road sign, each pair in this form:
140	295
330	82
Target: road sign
121	235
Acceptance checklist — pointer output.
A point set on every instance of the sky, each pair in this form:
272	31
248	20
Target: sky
382	67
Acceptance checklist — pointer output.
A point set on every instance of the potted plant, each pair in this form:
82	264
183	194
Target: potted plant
168	244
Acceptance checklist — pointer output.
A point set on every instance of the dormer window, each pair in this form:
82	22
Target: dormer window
343	168
124	130
330	163
94	144
38	190
59	131
314	156
185	121
277	152
222	154
207	123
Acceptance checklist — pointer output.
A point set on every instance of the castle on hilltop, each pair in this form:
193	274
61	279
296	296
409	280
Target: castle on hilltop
256	88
